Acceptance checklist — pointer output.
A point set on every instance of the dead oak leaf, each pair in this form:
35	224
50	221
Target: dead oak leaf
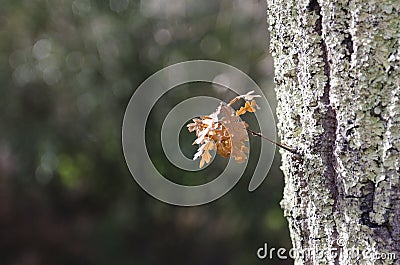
248	97
237	132
204	152
248	107
223	131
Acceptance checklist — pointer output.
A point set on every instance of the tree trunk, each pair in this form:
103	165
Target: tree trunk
337	74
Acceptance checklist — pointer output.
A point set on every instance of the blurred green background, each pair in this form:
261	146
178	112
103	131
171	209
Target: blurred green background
67	71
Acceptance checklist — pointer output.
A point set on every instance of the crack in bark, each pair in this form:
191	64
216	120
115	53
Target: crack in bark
367	204
366	200
348	39
348	44
329	124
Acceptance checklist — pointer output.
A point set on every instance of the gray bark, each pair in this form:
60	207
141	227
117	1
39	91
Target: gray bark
337	75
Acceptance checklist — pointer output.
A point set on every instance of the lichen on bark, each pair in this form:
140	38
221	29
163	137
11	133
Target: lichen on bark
337	75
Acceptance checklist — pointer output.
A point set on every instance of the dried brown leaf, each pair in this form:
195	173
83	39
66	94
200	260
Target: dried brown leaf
248	96
223	131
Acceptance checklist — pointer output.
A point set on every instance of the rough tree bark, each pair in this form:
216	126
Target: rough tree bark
337	74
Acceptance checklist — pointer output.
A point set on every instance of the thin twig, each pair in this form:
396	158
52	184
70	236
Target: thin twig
272	141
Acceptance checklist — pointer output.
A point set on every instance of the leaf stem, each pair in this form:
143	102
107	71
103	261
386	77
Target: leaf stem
272	141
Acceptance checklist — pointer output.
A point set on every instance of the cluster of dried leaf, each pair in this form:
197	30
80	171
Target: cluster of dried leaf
223	131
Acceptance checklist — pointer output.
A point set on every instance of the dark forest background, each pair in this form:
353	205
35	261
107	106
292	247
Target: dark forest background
67	71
